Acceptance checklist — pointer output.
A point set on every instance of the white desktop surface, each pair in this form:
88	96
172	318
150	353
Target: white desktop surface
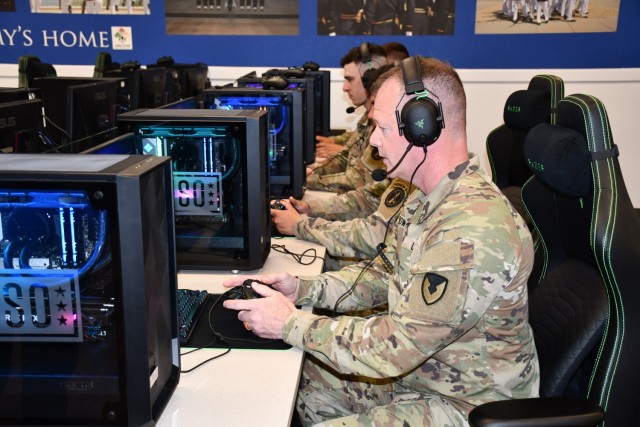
245	387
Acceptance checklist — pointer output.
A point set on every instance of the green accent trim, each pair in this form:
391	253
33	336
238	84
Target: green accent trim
422	94
602	171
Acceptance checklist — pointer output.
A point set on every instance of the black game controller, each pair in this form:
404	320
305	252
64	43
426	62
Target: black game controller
310	66
275	82
247	290
278	205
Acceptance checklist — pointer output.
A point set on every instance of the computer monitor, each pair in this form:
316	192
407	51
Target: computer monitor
91	114
89	333
286	131
142	87
152	89
194	80
60	102
129	84
20	124
307	85
185	80
221	182
322	88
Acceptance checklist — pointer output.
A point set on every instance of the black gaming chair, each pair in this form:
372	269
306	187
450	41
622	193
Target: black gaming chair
583	312
523	110
30	68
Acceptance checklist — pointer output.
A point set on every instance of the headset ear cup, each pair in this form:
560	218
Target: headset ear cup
419	120
368	79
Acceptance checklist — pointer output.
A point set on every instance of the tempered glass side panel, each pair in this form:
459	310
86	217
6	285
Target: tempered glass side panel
220	182
286	141
311	125
208	183
60	346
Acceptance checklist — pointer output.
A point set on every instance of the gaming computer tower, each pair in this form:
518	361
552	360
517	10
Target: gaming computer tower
286	133
89	333
307	86
220	169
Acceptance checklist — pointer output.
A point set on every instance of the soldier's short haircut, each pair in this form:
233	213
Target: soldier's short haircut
376	52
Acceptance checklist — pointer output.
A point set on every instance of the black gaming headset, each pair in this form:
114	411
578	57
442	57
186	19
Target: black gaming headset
421	119
371	73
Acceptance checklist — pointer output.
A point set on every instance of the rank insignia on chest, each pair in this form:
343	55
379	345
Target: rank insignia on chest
433	287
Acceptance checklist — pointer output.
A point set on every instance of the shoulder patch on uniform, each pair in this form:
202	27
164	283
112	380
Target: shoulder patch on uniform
395	197
433	287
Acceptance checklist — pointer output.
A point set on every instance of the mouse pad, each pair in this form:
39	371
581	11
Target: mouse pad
225	322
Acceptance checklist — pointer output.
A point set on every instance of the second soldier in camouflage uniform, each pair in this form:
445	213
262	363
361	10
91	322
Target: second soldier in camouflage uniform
456	333
352	240
352	166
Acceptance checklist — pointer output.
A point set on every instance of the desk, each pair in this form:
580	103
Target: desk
244	387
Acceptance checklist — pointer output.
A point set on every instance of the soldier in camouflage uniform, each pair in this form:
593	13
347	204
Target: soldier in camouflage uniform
347	241
351	167
456	333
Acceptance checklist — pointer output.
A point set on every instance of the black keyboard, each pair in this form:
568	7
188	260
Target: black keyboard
190	307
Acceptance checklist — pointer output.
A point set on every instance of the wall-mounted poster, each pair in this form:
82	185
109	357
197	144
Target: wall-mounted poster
232	17
88	7
386	17
546	16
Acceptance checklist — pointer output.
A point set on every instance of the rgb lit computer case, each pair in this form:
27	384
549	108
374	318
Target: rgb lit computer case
221	181
286	110
307	87
89	333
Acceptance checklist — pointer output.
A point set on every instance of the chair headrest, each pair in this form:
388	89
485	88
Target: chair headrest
526	108
560	158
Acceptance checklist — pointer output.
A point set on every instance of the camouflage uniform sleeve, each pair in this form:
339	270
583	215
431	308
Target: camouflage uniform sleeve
334	164
451	283
343	138
324	290
356	238
358	203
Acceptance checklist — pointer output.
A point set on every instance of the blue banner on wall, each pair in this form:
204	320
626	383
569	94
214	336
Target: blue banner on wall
265	33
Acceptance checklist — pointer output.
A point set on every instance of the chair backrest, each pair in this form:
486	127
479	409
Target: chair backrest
104	63
589	233
30	67
523	110
551	84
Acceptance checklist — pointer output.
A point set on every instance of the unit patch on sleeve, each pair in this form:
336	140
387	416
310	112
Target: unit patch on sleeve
395	197
433	287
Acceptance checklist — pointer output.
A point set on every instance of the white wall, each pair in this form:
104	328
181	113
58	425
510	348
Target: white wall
487	91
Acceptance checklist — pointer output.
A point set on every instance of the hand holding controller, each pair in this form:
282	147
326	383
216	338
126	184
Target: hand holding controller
278	205
247	290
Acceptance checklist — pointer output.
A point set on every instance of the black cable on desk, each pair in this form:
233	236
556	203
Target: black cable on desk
222	338
311	253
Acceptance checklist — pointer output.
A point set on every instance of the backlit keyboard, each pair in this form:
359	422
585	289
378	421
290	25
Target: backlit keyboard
190	307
